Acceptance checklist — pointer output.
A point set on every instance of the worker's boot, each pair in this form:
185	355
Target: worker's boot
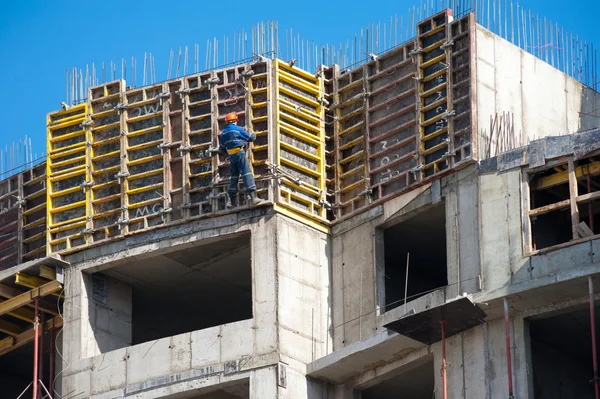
230	201
254	200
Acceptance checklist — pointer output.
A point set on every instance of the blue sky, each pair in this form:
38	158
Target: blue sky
39	40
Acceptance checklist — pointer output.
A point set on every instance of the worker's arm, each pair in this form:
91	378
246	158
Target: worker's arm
244	135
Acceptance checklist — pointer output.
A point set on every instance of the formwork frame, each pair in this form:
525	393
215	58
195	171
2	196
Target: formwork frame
145	201
300	144
350	142
107	160
419	123
68	177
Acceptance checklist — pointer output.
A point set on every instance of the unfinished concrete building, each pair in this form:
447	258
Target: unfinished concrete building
413	243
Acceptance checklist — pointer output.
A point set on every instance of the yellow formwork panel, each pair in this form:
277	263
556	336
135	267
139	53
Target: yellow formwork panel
105	106
68	177
434	104
143	169
300	132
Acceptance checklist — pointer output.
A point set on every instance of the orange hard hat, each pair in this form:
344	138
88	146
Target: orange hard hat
231	117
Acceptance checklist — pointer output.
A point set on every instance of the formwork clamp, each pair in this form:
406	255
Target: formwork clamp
247	74
326	204
417	169
183	92
121	106
449	154
122	221
184	148
85	185
166	210
20	201
448	114
85	124
449	43
166	145
211	81
88	231
324	101
119	176
163	95
415	51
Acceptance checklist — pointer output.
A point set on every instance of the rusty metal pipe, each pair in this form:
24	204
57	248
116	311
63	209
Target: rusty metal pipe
508	356
36	339
51	366
444	384
593	331
41	364
590	211
532	206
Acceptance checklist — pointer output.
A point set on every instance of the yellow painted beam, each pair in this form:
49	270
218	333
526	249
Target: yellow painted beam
563	177
47	272
35	282
27	297
45	305
12	343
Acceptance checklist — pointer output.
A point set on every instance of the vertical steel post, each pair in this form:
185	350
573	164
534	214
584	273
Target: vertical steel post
444	384
41	353
36	333
508	356
593	331
51	366
590	214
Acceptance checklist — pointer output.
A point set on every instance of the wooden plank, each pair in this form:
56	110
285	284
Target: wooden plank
584	230
550	208
585	198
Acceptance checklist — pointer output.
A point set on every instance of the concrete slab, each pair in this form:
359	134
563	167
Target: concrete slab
341	365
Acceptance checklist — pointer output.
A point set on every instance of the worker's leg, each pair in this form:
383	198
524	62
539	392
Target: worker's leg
246	173
249	182
234	172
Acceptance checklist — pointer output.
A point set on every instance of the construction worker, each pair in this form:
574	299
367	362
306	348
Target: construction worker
231	141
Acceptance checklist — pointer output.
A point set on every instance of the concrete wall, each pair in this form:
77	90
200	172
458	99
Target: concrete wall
358	266
224	352
110	314
500	225
291	309
543	100
303	296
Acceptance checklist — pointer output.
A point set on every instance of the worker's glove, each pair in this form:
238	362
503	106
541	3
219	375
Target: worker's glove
252	137
213	151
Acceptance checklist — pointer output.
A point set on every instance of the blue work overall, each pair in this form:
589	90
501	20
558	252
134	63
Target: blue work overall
232	140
